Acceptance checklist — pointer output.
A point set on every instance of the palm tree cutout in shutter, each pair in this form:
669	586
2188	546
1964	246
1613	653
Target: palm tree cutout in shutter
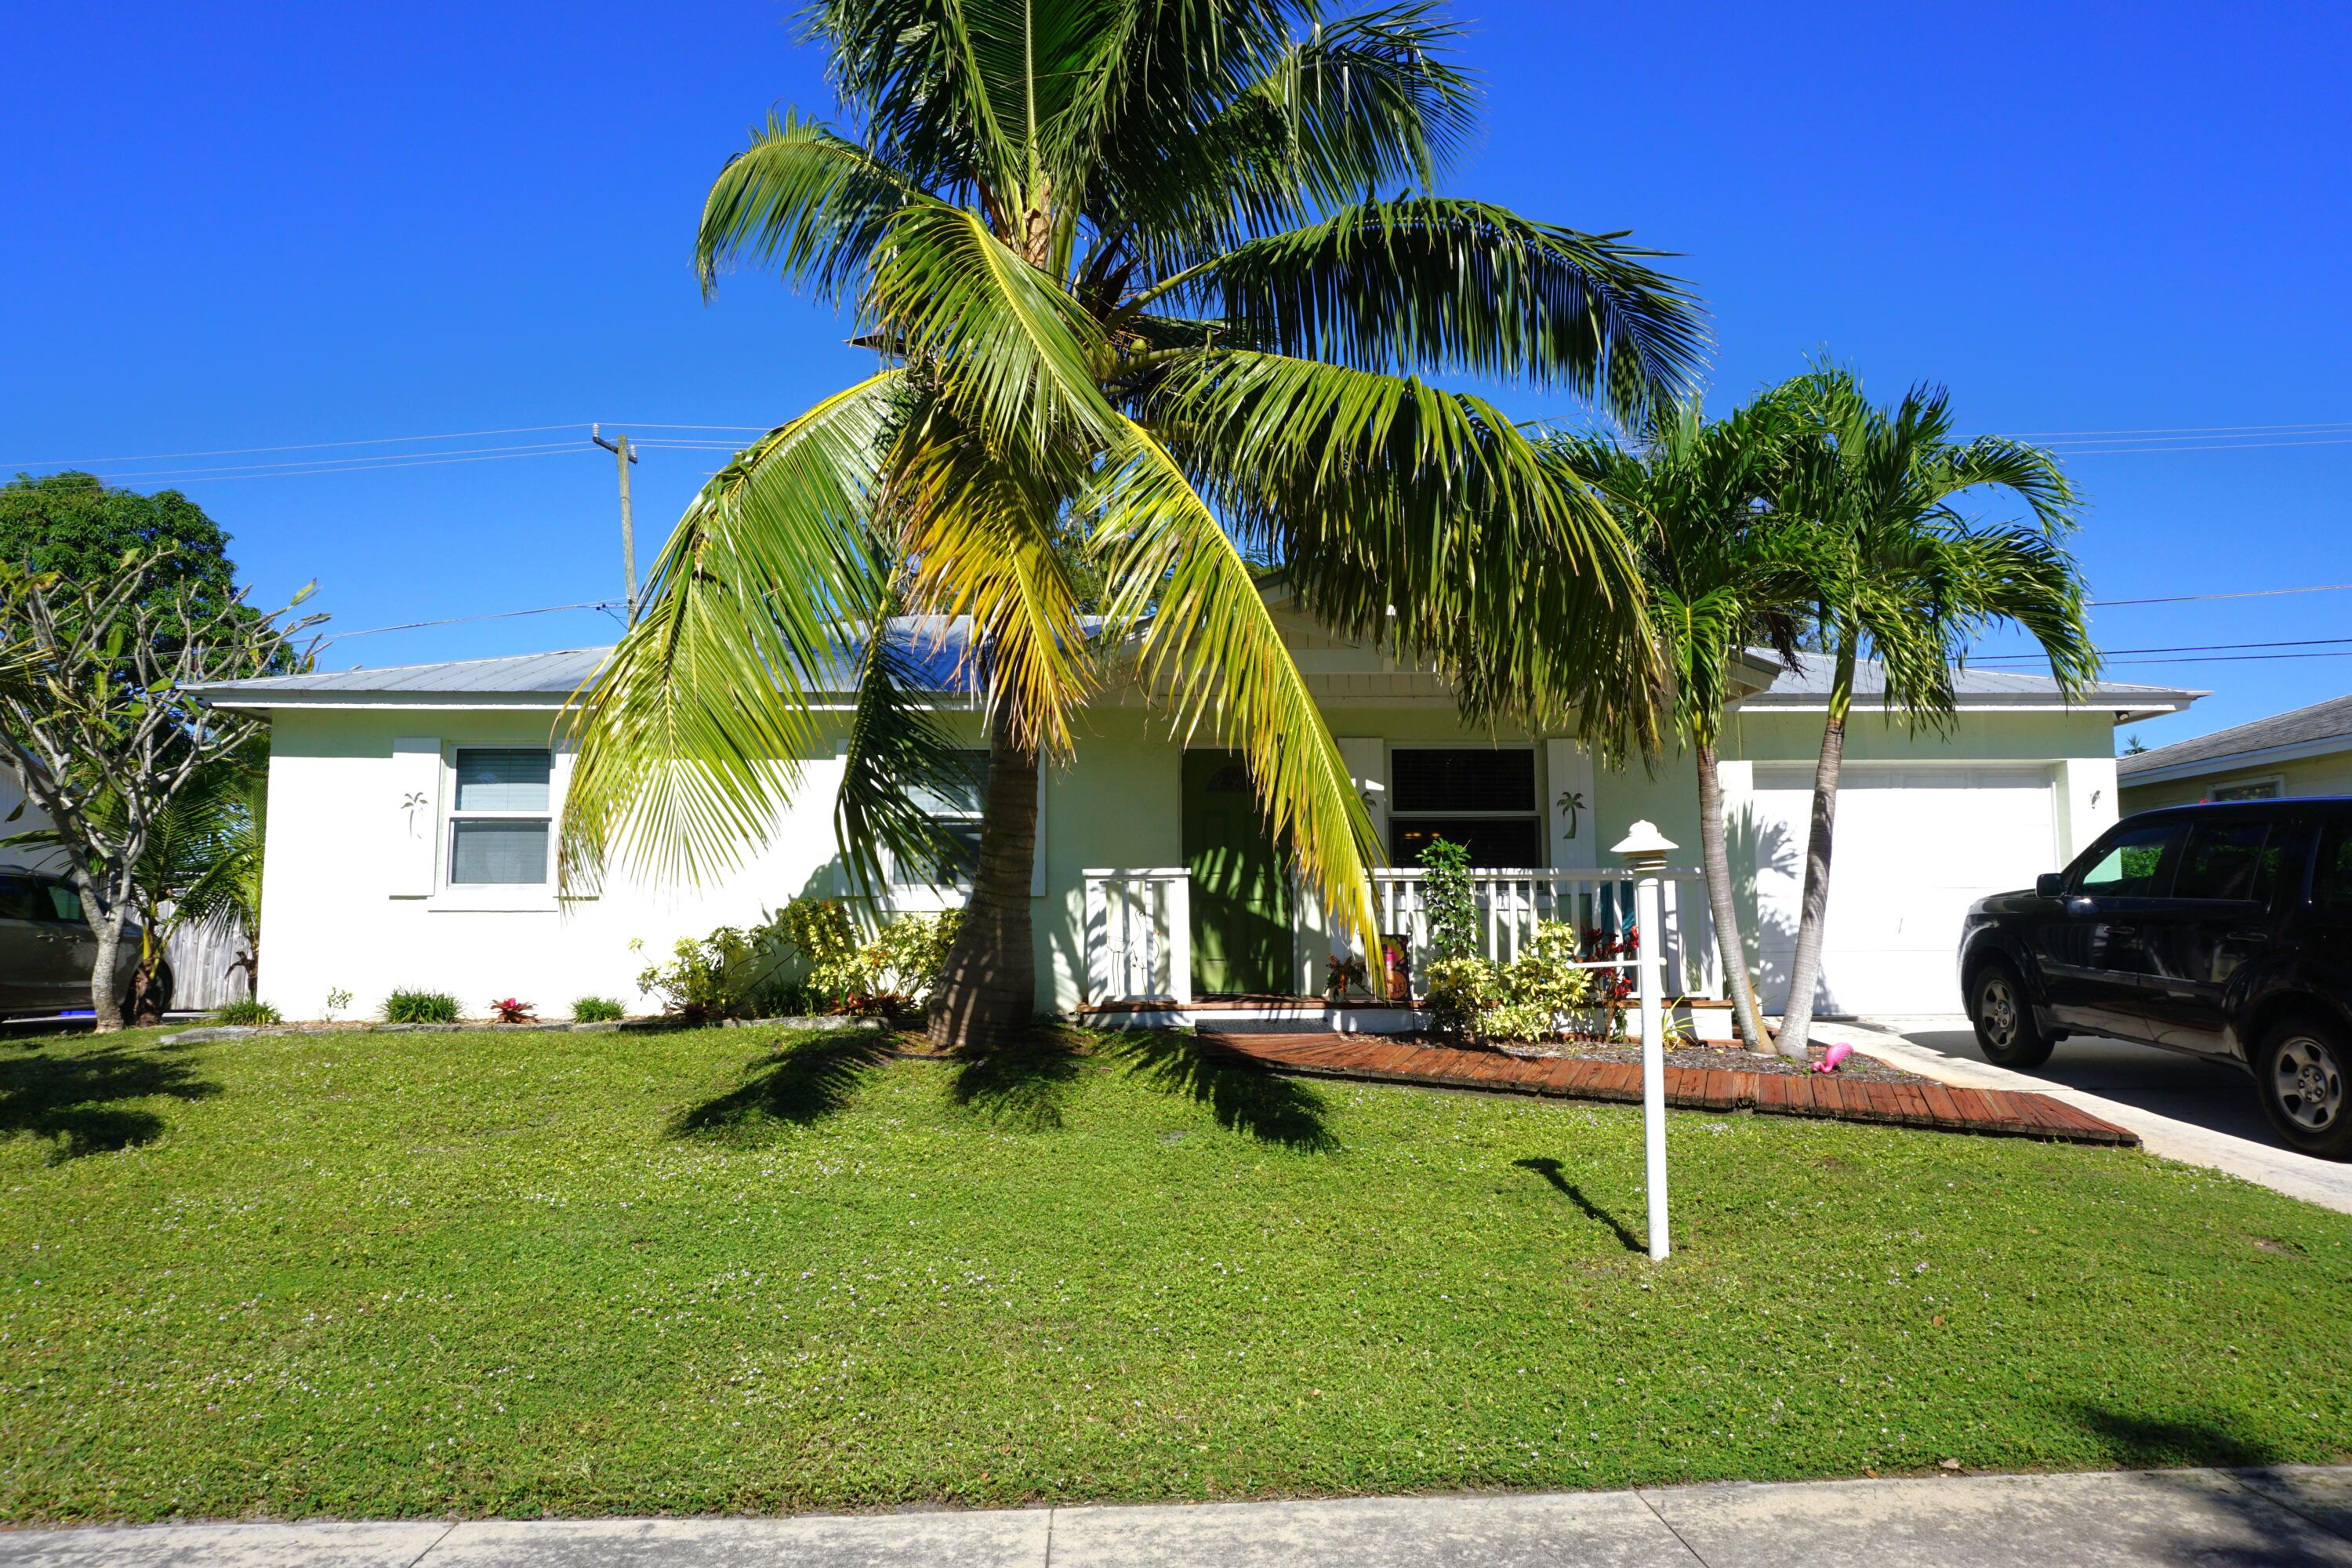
413	803
1571	801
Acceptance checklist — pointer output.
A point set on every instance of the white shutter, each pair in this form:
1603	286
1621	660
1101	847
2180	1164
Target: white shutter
1574	833
1368	765
1037	859
413	834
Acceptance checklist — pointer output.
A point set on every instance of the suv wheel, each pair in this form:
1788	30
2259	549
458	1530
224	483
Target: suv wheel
2003	1014
2301	1074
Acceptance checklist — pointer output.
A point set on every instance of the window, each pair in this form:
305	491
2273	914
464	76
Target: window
21	899
955	808
2248	789
2331	880
65	904
2234	860
1483	799
2132	863
500	826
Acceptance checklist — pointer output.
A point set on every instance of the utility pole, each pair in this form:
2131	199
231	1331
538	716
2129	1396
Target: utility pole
619	447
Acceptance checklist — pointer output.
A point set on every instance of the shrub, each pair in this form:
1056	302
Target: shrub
1448	901
808	957
708	978
596	1010
1460	991
420	1007
508	1010
246	1010
1543	991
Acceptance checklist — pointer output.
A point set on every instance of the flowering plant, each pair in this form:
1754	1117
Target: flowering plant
506	1010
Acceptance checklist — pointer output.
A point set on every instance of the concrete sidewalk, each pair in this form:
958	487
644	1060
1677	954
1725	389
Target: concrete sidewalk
2278	1517
1895	1041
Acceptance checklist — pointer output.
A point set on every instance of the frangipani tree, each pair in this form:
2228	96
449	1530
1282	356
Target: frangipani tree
1143	319
1901	572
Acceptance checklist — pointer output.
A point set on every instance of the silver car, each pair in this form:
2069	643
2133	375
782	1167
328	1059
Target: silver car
48	951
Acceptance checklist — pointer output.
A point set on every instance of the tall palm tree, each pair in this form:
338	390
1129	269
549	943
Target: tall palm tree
1902	574
1142	317
1722	572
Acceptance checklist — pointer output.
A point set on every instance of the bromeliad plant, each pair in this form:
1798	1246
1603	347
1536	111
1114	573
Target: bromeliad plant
1145	327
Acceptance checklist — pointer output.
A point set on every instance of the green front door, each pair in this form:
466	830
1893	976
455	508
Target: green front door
1241	895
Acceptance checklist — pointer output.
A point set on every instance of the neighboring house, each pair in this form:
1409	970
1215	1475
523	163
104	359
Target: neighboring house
2306	751
412	828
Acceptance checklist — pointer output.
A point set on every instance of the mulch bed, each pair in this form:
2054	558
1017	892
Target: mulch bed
1725	1057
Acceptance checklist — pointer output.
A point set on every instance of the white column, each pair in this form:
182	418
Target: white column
1180	938
1651	969
2086	803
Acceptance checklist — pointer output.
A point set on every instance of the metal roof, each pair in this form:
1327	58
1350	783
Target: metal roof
934	645
1807	683
2303	728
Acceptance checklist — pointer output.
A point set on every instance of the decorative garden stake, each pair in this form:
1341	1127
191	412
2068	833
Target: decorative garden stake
1644	850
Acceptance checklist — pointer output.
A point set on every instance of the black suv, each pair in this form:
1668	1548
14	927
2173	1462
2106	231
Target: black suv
2223	928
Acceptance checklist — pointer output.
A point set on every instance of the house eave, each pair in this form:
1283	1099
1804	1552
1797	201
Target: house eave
2236	761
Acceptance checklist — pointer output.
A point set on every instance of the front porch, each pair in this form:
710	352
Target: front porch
1141	928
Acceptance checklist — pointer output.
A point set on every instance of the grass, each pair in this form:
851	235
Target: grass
573	1274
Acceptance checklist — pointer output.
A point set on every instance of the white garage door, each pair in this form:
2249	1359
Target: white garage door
1914	847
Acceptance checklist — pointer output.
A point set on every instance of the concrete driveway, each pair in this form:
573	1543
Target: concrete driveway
2183	1107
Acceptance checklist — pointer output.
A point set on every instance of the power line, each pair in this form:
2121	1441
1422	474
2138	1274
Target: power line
2242	594
2177	430
460	620
356	466
358	460
303	446
2236	657
2178	647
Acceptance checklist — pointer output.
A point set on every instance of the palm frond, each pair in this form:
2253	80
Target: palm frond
897	753
986	544
1425	521
1208	643
802	200
691	735
1012	352
1435	284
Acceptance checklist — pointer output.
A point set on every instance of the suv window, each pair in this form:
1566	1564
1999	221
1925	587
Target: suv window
65	904
21	899
2132	863
2233	858
2331	879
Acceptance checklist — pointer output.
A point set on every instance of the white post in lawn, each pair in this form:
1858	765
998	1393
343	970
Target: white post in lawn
1644	850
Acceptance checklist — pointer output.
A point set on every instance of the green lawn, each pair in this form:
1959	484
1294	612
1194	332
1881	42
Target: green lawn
569	1274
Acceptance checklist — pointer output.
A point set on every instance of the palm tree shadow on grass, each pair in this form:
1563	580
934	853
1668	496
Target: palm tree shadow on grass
76	1099
1552	1171
1242	1095
800	1082
1022	1084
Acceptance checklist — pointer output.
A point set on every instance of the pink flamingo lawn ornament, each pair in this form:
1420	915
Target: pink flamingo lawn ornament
1833	1056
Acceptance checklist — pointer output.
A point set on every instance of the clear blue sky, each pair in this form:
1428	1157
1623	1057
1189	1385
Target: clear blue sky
236	226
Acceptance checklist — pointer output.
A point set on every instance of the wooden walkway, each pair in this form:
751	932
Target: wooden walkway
1997	1112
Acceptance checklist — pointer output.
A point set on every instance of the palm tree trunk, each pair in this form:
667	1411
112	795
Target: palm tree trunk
987	991
1717	860
1805	964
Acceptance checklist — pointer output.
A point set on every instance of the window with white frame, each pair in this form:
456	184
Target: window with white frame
955	808
1479	797
2250	789
501	823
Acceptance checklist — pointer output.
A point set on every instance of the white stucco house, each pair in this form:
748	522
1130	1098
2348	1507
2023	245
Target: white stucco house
413	816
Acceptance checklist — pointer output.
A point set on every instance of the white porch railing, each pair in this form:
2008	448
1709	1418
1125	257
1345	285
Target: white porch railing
1512	900
1138	924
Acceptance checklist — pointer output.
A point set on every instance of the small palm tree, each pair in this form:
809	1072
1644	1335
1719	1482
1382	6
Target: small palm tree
1722	575
1144	321
1899	571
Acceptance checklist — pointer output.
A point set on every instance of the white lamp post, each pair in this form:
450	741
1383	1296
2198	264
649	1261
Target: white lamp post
1644	850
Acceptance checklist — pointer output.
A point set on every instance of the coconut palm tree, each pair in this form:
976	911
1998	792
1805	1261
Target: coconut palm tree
1722	572
1903	575
1143	319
